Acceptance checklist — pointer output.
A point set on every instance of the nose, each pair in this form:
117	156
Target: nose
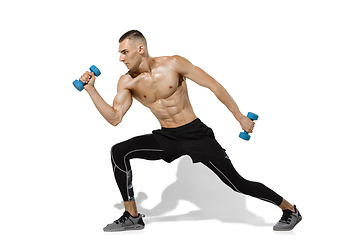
121	59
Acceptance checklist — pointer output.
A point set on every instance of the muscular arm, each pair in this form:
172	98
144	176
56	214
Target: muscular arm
196	74
121	104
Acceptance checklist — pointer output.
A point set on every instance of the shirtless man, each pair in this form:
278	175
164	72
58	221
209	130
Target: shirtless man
160	84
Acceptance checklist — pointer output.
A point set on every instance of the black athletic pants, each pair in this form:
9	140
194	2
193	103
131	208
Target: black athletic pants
145	147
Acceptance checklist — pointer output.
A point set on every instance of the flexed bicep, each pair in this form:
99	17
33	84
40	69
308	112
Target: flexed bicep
122	103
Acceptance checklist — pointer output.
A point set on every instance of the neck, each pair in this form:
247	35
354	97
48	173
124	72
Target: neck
145	64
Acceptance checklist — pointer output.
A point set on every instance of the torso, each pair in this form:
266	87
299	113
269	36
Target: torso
164	92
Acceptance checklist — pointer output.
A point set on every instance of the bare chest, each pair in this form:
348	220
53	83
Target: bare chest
159	85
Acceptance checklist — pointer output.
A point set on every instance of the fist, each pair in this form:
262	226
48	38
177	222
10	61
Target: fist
88	79
247	124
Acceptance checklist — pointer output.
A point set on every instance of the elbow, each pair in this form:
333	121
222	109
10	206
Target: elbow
115	119
115	122
216	89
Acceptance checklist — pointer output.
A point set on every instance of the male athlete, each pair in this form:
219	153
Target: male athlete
160	84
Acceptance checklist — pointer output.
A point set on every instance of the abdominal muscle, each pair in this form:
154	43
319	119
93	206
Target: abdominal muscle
174	111
167	119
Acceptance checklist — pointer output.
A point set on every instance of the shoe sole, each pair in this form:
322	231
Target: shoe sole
129	228
288	229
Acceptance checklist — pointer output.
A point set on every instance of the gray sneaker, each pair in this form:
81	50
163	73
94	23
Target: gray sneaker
126	222
288	220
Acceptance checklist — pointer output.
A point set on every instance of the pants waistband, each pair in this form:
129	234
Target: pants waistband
183	127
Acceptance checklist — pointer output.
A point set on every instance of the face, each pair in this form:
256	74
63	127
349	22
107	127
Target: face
130	53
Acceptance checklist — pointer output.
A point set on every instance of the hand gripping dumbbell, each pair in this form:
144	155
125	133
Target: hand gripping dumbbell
80	85
244	135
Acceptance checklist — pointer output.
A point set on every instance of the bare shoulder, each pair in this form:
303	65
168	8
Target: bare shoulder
176	59
176	62
124	82
181	65
125	78
168	59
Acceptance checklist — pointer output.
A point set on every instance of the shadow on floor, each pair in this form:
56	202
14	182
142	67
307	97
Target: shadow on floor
197	184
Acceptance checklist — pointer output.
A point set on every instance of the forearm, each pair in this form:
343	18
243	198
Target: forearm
105	109
227	100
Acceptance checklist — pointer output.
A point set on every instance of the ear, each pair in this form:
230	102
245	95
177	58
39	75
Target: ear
141	49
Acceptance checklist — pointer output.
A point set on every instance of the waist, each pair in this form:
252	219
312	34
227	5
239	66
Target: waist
182	128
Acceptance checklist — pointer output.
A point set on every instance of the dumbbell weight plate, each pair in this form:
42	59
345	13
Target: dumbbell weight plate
252	116
78	85
95	70
245	136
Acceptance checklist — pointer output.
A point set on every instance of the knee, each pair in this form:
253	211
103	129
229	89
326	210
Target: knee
117	153
115	148
252	188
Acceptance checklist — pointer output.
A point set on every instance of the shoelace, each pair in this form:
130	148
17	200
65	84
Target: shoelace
286	217
122	219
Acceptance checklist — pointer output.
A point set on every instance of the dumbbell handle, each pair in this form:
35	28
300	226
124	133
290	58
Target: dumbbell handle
80	85
244	135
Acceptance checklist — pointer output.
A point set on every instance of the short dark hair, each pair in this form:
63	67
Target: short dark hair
133	34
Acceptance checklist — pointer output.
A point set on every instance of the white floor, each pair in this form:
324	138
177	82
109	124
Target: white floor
187	200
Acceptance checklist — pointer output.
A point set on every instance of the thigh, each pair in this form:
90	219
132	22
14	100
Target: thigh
144	147
224	169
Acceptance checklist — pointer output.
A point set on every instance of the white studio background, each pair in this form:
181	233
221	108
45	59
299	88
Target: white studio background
295	63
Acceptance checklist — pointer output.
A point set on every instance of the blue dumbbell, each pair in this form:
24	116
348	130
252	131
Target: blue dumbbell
80	85
244	135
